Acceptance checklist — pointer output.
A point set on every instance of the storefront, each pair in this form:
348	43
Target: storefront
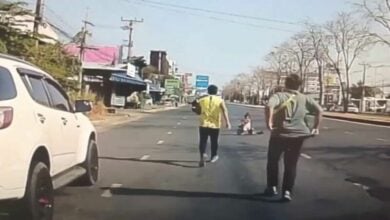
112	84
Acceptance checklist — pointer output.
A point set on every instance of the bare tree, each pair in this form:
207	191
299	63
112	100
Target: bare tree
316	36
278	58
302	52
377	11
345	40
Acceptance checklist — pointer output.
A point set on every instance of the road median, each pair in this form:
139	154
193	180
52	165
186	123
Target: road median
362	118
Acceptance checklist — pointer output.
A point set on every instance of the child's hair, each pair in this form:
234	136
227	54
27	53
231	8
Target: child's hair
247	115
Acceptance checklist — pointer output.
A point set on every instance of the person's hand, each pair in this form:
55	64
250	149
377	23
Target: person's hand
228	125
270	126
315	131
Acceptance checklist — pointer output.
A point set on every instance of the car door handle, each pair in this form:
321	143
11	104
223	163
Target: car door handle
41	118
64	120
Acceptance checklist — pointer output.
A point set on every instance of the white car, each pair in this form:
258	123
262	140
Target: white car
352	108
46	143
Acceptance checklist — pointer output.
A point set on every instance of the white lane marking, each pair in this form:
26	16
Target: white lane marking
145	157
169	133
381	139
179	123
116	185
306	156
325	128
160	142
358	123
106	193
348	132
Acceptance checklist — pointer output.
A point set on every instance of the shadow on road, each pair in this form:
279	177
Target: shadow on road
178	163
189	194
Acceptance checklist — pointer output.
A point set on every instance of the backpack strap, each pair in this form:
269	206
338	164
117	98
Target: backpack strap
284	104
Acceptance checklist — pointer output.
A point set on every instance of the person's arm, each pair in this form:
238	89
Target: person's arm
315	108
225	115
269	111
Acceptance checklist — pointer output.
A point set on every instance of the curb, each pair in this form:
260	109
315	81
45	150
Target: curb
245	105
361	120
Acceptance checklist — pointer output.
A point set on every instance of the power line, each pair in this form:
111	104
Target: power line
212	17
220	12
59	18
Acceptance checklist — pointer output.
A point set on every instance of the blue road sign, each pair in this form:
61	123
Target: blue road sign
202	84
202	81
202	78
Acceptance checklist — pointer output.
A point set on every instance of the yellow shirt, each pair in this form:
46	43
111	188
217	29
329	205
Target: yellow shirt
211	111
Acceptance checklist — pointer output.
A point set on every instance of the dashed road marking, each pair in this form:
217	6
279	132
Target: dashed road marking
325	128
348	132
306	156
160	142
145	157
116	185
381	139
179	123
169	133
106	193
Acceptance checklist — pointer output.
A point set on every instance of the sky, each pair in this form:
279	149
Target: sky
200	43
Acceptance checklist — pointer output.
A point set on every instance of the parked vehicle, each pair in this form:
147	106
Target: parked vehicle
46	142
352	108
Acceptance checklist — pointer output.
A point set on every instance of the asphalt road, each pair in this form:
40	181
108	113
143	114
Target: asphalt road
149	170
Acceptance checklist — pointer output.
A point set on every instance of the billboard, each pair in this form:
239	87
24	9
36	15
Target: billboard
171	85
202	81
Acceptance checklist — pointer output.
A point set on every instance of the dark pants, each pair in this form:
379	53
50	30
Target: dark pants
291	147
204	134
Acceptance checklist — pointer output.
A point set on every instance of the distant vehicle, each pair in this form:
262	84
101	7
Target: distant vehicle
352	108
46	143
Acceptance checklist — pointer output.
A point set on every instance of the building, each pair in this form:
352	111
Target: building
25	23
103	75
159	60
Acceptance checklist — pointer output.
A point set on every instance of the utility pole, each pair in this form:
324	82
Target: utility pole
362	102
37	20
38	16
130	27
84	32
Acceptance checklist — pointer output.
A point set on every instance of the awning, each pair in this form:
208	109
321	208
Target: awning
122	78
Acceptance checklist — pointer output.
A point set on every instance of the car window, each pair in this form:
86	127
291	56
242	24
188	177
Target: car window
7	86
59	99
36	88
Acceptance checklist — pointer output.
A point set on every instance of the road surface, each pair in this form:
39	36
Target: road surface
149	170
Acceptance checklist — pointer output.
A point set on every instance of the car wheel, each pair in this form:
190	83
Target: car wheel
38	202
91	165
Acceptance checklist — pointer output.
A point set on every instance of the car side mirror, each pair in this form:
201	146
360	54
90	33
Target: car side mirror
83	106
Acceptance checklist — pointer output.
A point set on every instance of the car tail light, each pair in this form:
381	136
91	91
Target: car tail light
6	116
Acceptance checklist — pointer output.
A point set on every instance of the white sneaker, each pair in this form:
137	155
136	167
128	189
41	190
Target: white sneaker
287	196
214	159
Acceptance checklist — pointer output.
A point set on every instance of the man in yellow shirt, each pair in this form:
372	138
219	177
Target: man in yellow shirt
212	109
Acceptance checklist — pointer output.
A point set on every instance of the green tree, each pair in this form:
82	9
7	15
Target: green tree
51	58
